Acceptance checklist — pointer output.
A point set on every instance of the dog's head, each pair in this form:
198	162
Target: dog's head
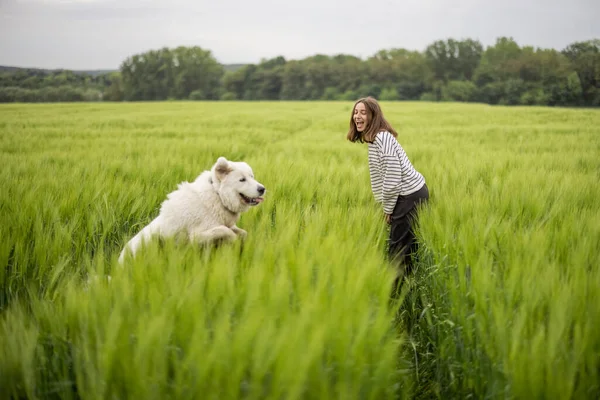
236	185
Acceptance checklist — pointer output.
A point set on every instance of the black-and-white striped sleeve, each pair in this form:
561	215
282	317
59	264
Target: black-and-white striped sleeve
392	173
375	172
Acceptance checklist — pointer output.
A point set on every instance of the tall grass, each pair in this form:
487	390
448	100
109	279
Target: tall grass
504	303
300	309
507	303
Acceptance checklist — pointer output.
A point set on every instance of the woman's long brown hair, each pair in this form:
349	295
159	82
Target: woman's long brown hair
377	122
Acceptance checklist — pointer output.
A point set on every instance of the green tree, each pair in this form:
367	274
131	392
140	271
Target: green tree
406	71
585	61
114	92
293	81
498	63
459	91
454	59
171	73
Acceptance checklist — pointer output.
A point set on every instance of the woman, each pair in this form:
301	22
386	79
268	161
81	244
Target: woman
395	183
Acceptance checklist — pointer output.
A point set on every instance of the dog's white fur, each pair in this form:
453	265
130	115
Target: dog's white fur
207	209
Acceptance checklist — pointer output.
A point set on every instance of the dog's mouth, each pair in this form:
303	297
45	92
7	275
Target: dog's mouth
251	200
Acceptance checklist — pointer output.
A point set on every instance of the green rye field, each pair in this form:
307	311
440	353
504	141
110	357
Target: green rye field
505	302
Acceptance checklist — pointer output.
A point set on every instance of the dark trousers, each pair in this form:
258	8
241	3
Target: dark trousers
402	242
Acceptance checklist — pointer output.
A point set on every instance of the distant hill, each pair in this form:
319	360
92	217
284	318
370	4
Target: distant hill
233	67
84	72
95	72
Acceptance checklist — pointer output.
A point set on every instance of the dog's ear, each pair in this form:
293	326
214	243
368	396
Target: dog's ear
221	168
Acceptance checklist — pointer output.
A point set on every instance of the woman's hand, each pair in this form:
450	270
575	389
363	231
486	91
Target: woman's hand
388	218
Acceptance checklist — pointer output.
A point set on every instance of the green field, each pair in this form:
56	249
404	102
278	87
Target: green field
505	302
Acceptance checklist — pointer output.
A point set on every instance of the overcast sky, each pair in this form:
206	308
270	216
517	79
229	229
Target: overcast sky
100	34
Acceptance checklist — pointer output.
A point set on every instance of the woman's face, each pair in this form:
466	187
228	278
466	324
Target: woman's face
361	118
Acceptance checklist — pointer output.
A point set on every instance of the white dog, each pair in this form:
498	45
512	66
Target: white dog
207	209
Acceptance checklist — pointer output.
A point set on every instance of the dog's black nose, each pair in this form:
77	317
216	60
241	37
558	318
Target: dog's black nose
261	190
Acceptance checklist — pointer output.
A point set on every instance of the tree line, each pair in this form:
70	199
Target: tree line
447	70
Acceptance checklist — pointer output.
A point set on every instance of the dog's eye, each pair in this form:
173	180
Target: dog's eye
243	180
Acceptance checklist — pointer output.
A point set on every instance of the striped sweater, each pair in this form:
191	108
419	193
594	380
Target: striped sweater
392	173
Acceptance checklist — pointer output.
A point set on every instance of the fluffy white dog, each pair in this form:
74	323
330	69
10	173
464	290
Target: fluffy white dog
206	210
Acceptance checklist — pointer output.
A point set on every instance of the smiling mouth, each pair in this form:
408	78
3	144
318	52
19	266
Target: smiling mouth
251	200
359	124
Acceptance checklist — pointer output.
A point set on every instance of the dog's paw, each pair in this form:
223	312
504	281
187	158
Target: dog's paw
241	233
224	234
230	237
